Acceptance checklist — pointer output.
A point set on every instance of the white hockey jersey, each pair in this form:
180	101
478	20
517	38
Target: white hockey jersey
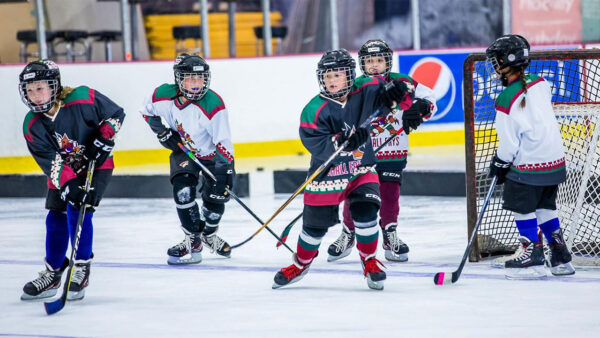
203	124
529	137
392	157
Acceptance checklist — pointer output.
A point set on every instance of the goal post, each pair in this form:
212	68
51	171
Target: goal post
575	80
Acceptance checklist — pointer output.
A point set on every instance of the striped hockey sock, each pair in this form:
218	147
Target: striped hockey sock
548	221
367	235
527	225
307	247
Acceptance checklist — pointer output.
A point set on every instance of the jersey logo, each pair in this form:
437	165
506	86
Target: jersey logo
186	138
70	150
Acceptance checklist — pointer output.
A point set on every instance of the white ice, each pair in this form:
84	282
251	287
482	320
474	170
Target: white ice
133	292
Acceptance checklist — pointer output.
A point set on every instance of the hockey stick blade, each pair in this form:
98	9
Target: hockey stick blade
54	306
445	278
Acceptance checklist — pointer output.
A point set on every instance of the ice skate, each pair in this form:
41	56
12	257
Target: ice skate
189	251
290	274
79	280
373	273
342	246
530	264
46	285
217	244
559	257
395	249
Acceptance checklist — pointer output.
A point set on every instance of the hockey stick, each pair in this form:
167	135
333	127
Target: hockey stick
322	167
191	155
444	278
288	228
57	305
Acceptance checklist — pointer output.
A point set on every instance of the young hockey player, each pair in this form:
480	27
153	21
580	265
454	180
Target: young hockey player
326	122
530	160
375	59
196	117
65	129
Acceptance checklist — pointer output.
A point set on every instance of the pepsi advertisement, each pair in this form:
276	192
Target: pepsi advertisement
443	74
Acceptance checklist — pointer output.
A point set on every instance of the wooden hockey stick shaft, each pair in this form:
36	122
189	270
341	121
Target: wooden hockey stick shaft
293	222
316	173
231	193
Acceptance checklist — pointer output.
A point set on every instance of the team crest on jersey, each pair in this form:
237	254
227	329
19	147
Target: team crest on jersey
383	123
70	150
68	147
187	140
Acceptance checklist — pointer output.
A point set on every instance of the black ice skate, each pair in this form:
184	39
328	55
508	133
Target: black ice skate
291	274
530	264
189	251
559	257
46	285
80	279
342	246
375	276
395	249
217	244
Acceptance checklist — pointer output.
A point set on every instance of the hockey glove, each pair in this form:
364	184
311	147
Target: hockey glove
224	176
360	136
99	149
413	116
394	93
73	193
170	139
499	169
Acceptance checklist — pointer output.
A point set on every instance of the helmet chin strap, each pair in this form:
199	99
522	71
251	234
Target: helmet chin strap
504	76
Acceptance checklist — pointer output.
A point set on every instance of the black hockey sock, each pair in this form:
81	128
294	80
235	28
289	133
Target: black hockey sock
212	213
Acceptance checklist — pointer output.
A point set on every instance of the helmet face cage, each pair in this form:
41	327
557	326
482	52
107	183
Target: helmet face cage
350	74
194	93
44	72
387	57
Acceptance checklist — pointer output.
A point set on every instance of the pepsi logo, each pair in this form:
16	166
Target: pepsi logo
435	74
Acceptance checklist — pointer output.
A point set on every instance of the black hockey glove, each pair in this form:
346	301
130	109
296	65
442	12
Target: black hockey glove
360	136
394	93
73	193
413	116
224	176
79	166
99	149
499	169
170	139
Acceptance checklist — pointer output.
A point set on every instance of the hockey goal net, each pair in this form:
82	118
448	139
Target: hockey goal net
575	80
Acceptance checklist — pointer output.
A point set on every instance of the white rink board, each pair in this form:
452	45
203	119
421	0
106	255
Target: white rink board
133	292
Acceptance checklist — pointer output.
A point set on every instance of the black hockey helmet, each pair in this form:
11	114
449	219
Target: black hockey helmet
39	71
508	50
188	65
336	60
374	48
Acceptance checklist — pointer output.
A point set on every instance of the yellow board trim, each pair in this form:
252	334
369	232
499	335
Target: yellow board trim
26	164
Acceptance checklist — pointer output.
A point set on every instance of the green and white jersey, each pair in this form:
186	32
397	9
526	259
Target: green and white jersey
529	137
202	124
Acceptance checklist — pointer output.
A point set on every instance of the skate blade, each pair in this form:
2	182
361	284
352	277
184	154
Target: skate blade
534	272
43	295
344	254
76	295
194	258
393	257
565	269
374	285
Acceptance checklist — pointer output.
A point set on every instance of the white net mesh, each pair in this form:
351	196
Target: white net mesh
575	79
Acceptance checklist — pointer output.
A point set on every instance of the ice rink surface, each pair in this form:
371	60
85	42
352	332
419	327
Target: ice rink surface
133	292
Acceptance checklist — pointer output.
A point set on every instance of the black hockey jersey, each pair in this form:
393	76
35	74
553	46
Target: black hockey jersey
58	142
323	120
